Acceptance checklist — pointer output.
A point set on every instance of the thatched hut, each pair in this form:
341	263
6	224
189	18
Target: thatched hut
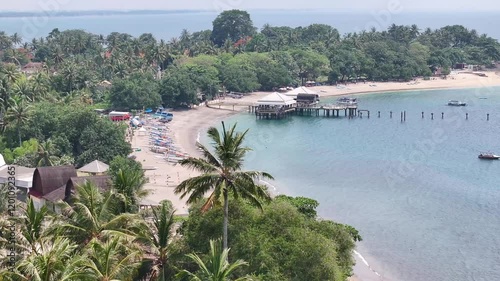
49	183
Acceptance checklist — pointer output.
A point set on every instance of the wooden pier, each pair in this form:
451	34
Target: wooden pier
312	110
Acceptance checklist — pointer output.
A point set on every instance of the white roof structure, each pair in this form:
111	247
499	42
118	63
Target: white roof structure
276	99
96	167
300	90
23	175
2	161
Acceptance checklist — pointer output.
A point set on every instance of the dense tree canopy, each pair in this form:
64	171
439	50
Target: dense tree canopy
75	69
232	25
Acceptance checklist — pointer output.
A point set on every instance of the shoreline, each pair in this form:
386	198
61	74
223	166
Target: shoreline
188	125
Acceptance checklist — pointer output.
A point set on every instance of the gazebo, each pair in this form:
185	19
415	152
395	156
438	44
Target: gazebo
276	99
94	168
275	105
301	90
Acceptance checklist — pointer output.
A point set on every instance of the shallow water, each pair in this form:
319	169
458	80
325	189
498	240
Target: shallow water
426	206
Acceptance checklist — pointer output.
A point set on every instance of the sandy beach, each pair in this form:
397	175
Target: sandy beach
188	125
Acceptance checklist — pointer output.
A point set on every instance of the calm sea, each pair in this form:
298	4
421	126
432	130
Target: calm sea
170	25
426	206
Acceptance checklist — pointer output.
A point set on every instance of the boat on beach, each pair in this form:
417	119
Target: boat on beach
488	156
456	103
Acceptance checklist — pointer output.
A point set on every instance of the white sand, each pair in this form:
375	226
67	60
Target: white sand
187	125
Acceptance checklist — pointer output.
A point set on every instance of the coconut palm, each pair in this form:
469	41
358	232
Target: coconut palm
130	186
11	73
23	88
18	114
111	260
94	215
222	174
45	156
217	267
157	239
57	260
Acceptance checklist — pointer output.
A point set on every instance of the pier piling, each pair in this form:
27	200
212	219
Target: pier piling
432	116
404	116
466	116
391	114
422	115
488	117
442	115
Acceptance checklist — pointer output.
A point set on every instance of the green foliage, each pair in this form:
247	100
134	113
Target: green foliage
232	25
178	88
238	74
78	132
304	205
125	164
279	243
136	92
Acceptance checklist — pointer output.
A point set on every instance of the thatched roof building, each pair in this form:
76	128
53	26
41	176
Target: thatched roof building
48	179
102	182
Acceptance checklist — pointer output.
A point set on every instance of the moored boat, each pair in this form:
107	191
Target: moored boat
456	103
489	156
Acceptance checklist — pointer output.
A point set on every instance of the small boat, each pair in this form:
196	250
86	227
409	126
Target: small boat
347	101
456	103
489	156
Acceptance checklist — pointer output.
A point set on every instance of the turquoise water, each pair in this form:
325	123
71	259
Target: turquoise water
426	206
170	25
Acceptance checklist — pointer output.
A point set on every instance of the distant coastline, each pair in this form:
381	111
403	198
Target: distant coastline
14	14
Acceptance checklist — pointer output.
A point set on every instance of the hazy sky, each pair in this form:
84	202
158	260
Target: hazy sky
217	5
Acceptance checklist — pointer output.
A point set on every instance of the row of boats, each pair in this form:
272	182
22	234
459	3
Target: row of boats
161	143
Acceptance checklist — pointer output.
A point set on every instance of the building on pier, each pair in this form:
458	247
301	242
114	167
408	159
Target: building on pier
275	105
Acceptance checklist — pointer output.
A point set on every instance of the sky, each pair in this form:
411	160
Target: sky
217	5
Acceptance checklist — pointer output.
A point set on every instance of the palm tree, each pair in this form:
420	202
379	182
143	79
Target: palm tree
111	260
45	154
222	174
217	268
94	215
57	260
157	239
129	185
18	114
11	73
23	88
16	39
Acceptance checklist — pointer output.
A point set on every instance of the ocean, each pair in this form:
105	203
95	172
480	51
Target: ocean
425	205
170	25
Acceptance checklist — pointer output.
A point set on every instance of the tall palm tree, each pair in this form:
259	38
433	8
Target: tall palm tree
130	186
57	260
111	260
217	268
18	114
46	154
16	39
23	88
222	174
94	215
11	73
157	239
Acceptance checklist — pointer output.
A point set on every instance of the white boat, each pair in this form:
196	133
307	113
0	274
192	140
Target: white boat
456	103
